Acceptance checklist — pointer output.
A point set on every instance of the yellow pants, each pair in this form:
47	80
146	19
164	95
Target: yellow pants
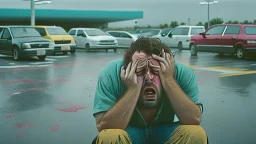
184	134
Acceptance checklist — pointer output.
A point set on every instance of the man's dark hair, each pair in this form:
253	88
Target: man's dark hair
147	45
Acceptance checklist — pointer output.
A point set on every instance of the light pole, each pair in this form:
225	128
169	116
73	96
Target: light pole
208	2
32	8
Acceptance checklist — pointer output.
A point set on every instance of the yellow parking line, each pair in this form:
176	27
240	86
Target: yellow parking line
226	68
231	71
238	74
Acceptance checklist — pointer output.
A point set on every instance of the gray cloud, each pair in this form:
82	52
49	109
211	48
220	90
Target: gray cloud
155	11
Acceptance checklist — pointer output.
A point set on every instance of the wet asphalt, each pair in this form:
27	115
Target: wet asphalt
51	102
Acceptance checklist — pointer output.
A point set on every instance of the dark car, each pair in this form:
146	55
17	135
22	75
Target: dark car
234	39
23	41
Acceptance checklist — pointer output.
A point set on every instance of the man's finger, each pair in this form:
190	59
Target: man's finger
127	71
155	68
163	54
168	59
163	66
160	59
132	72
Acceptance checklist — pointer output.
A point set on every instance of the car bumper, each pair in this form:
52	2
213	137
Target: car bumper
37	52
103	46
64	47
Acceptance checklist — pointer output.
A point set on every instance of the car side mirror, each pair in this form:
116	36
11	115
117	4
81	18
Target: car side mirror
203	34
170	35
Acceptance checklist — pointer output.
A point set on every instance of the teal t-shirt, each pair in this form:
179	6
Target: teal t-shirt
110	88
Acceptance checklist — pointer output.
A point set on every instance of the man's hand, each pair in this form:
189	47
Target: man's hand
129	76
167	66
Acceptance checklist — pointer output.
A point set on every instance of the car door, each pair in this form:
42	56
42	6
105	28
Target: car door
211	39
183	38
81	38
229	39
6	41
126	39
172	41
118	38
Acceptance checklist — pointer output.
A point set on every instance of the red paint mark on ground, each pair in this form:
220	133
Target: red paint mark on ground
22	125
72	109
58	80
55	128
21	134
10	116
20	81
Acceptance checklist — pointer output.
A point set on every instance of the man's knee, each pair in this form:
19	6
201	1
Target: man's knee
109	136
187	134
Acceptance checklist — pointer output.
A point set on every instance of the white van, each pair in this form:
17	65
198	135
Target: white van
180	36
93	38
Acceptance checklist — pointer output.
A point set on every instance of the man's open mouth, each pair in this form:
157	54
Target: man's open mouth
150	94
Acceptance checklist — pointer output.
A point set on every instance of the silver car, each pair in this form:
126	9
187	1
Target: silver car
123	38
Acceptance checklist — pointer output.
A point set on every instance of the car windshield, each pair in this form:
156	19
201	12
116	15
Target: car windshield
56	31
96	32
24	32
250	30
165	31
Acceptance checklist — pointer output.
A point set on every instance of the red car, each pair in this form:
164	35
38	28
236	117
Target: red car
234	39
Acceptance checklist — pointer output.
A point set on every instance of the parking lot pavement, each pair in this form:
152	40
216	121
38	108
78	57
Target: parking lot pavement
51	101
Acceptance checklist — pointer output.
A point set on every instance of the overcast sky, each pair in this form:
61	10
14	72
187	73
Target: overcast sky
155	11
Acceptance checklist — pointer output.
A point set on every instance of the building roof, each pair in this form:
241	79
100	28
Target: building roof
64	15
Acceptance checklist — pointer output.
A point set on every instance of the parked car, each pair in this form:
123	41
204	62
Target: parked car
124	38
93	38
179	37
235	39
23	41
60	39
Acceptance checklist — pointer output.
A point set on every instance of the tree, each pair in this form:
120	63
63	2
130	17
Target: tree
206	25
216	21
182	23
229	22
174	24
254	22
235	22
149	26
200	24
165	25
161	26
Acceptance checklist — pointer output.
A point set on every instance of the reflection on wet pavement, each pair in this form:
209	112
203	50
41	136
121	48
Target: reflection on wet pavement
52	102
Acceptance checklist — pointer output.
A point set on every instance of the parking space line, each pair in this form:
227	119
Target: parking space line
239	74
225	71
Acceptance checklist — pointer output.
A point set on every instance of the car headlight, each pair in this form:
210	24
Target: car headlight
95	41
26	45
251	41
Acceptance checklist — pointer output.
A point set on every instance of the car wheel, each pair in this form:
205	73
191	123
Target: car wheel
240	53
87	47
180	46
193	50
16	54
41	58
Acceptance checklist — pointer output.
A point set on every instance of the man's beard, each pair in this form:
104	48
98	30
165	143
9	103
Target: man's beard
150	97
